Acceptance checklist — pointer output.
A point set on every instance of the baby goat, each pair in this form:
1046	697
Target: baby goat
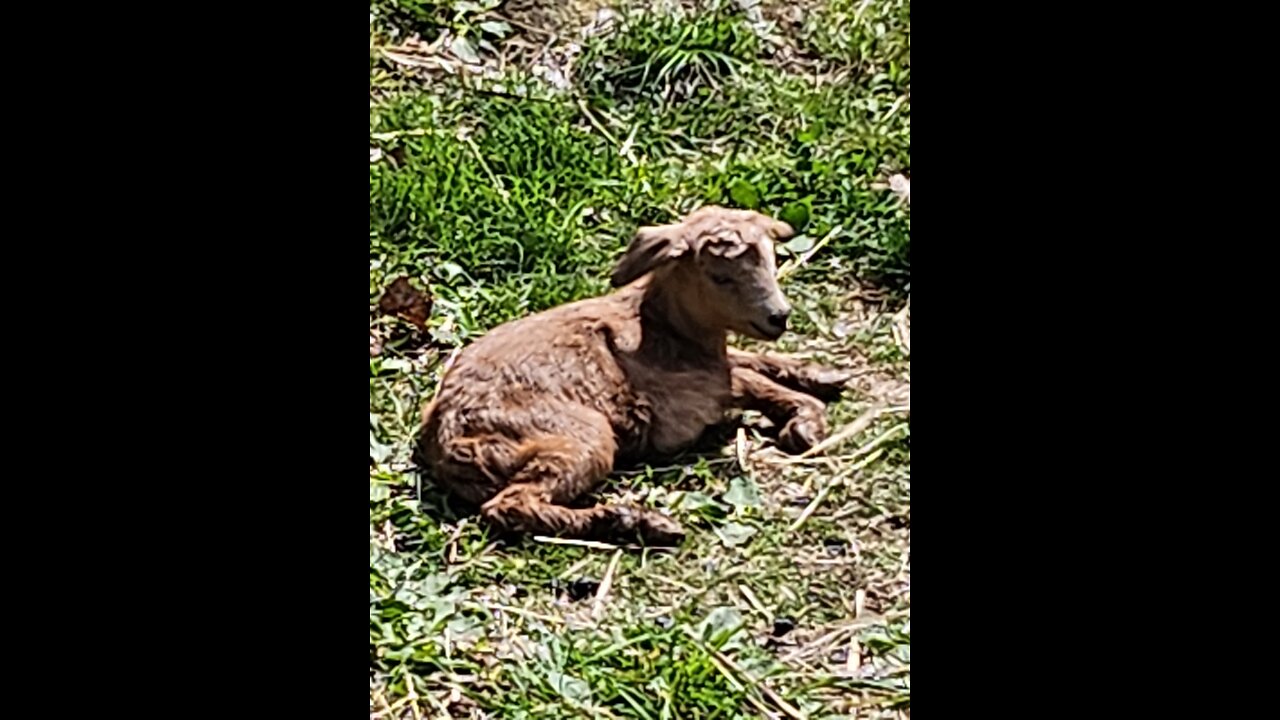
533	415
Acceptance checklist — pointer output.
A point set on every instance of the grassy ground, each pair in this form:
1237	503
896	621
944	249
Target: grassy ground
514	147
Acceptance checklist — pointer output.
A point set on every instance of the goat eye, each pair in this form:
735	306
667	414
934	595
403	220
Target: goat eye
721	280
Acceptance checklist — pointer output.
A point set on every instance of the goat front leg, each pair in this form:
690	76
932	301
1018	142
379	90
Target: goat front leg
820	381
802	417
557	470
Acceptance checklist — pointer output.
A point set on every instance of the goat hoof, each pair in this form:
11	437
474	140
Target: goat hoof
829	383
800	435
658	529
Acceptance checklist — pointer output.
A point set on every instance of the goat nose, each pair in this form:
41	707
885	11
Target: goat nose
779	318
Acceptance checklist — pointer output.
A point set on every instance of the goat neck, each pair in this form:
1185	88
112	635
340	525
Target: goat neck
677	324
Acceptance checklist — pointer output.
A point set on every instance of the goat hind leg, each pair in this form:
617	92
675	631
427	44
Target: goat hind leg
526	509
555	472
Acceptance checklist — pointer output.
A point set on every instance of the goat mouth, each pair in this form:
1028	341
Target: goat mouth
771	333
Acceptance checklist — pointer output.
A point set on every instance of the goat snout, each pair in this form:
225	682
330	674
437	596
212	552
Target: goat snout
778	318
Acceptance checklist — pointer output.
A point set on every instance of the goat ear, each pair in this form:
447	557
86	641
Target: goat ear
780	230
650	248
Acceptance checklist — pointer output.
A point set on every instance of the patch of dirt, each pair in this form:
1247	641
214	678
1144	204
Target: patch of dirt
557	18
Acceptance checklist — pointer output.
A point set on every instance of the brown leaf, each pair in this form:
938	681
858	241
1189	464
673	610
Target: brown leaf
405	301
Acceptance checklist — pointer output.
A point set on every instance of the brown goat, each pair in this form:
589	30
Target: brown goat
533	415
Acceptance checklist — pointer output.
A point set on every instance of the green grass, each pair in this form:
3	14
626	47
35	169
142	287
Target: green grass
505	196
